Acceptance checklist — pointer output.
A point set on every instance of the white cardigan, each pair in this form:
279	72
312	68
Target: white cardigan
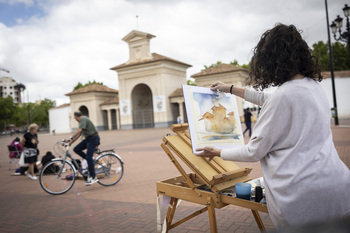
305	180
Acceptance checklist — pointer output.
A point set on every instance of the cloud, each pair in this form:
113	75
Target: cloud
79	40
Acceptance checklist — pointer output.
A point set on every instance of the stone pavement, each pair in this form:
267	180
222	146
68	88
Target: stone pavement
129	206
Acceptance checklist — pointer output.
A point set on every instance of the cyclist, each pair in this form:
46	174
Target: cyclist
90	142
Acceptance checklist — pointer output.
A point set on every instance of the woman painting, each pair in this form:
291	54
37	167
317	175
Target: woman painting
29	144
305	180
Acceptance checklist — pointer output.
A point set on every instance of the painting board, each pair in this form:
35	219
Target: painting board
213	118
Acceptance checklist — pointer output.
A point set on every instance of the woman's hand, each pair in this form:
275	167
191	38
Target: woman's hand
220	86
209	152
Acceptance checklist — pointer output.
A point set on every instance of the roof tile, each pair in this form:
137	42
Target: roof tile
93	88
155	57
217	69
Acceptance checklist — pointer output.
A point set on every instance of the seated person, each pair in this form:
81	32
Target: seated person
15	142
46	159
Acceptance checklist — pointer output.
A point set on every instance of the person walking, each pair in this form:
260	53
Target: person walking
29	144
90	142
248	121
305	180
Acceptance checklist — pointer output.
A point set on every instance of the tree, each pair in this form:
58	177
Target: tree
191	82
212	65
40	112
340	55
80	85
8	109
234	62
245	66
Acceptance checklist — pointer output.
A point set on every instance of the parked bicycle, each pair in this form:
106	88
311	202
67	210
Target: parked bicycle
59	175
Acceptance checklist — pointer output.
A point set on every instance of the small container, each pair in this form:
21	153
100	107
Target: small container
243	190
258	191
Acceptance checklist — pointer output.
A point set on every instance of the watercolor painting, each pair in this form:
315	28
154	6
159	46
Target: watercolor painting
213	118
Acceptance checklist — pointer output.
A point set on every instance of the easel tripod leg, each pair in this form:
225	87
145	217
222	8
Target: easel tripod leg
212	217
171	212
258	220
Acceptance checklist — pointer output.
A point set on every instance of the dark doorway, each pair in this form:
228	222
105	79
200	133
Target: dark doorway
84	110
142	107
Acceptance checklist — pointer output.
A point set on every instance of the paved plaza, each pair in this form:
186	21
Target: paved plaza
129	206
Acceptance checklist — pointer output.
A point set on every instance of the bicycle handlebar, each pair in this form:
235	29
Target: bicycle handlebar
65	144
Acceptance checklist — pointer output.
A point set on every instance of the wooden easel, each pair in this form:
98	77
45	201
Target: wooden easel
205	185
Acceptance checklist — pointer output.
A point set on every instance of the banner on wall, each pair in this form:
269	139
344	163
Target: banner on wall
125	107
159	104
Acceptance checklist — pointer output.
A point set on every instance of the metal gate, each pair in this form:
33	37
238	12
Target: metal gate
143	118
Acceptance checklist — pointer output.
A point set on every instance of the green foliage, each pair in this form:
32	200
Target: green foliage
40	112
8	109
212	65
245	66
234	62
191	82
13	114
340	55
80	85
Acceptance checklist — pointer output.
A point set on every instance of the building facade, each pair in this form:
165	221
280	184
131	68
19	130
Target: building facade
150	90
146	82
92	101
59	119
9	87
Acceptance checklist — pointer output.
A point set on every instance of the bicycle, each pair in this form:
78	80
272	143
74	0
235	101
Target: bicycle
59	175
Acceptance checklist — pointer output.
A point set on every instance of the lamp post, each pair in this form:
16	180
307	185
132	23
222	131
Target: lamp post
337	24
335	111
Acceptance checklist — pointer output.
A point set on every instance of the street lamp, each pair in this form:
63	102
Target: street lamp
337	24
335	112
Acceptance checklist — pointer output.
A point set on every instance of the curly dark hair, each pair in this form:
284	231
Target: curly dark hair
281	54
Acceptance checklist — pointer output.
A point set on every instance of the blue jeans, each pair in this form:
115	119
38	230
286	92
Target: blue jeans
90	144
249	127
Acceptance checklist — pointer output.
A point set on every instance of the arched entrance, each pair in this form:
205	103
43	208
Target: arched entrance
142	107
84	110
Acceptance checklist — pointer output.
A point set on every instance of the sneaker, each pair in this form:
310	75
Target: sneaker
31	177
91	181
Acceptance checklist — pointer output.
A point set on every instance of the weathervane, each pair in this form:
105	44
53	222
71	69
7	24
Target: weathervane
137	22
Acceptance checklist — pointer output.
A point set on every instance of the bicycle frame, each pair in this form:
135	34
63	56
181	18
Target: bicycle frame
75	165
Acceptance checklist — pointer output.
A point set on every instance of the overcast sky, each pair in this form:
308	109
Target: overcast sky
51	45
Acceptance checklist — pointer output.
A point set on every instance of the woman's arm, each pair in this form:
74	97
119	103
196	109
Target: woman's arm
255	97
238	91
23	140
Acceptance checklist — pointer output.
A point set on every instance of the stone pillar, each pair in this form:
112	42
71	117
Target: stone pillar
181	108
117	118
109	116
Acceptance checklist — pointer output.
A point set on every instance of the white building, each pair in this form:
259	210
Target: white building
59	119
9	87
342	87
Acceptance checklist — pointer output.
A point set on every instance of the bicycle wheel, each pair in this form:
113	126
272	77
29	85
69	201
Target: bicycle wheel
109	169
54	182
